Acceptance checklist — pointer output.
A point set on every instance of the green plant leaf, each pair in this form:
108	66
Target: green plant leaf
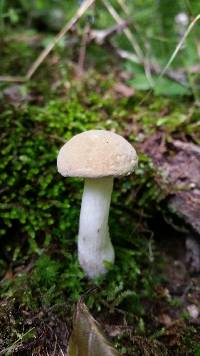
162	86
140	82
165	86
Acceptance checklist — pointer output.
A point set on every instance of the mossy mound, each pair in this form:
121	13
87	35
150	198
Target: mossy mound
41	278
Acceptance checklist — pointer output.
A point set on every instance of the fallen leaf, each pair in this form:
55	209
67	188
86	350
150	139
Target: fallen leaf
87	338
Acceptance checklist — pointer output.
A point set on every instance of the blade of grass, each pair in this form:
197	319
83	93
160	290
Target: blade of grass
178	47
82	9
8	350
132	40
126	31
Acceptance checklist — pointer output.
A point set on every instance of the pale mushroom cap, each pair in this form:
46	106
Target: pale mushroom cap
95	154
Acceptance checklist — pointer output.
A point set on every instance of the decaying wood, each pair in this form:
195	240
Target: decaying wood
179	164
192	254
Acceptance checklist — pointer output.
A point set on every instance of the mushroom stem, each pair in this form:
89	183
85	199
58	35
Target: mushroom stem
94	244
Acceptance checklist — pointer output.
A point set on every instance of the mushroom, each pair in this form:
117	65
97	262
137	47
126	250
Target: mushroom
98	156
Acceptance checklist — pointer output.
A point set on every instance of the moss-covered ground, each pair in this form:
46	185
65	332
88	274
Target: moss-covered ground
41	280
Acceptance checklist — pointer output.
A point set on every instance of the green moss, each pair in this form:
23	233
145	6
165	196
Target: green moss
41	208
40	211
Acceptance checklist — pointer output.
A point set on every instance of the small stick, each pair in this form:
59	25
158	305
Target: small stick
132	40
82	9
126	11
126	31
100	36
83	46
10	79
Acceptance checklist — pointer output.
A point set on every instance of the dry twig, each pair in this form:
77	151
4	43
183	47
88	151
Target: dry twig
82	9
100	36
10	79
126	31
139	53
83	46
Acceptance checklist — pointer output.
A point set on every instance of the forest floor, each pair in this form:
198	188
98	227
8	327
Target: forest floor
162	318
